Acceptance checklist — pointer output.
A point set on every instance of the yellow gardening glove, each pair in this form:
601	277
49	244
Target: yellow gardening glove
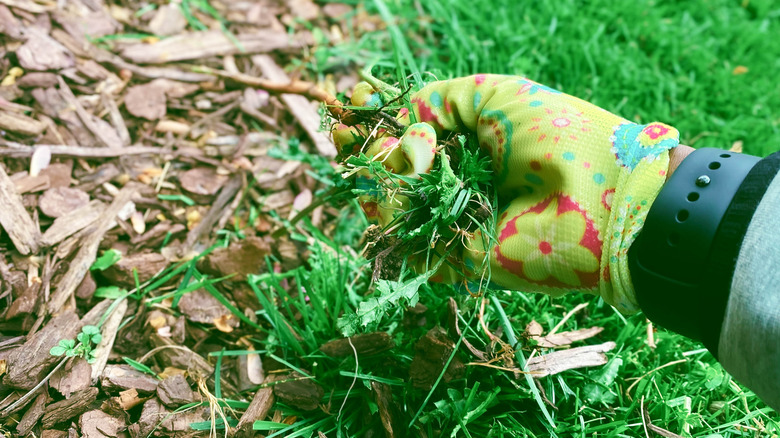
574	181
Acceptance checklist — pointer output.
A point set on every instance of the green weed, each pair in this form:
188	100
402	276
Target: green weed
83	346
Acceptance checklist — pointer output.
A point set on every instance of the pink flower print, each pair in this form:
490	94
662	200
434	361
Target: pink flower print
371	209
390	142
655	130
531	87
558	123
425	111
553	243
403	116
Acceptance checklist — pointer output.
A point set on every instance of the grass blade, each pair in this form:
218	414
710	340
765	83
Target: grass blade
510	334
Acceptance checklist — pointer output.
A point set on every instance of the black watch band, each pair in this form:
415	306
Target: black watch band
670	259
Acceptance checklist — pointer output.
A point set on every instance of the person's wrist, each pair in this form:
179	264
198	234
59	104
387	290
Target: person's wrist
676	156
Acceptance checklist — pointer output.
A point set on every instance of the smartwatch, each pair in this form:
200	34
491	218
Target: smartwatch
671	260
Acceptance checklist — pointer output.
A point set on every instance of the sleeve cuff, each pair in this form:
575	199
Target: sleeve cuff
731	233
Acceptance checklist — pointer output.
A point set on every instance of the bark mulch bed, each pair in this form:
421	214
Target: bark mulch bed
124	129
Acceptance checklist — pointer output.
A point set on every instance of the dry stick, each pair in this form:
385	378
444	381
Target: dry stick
648	424
228	212
88	251
259	116
452	311
573	358
209	117
87	118
354	378
482	324
18	150
295	86
105	57
303	88
567	338
24	233
321	200
650	334
567	316
258	408
72	222
116	118
155	350
23	399
300	106
645	417
675	362
744	402
226	195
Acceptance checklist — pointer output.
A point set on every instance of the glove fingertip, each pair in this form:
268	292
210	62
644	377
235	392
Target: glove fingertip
419	146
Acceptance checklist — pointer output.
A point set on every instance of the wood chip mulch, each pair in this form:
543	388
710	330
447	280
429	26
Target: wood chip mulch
115	134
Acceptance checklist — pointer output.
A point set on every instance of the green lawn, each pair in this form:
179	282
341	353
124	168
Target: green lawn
671	61
707	67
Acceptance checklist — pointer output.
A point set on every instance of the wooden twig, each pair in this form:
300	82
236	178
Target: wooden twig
116	118
24	233
452	321
18	150
284	86
650	335
91	51
28	364
226	195
564	339
205	44
306	211
295	97
295	94
648	424
668	364
567	316
90	121
26	397
227	213
645	417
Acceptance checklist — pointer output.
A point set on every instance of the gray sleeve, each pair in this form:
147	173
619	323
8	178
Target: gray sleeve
749	345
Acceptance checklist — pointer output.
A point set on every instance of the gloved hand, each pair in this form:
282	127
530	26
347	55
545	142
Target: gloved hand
574	181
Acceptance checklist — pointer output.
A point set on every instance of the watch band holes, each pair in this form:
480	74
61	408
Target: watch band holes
682	215
714	165
673	239
693	197
725	155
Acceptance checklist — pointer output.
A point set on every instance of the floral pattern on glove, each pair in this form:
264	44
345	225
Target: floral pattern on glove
531	87
554	243
632	143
